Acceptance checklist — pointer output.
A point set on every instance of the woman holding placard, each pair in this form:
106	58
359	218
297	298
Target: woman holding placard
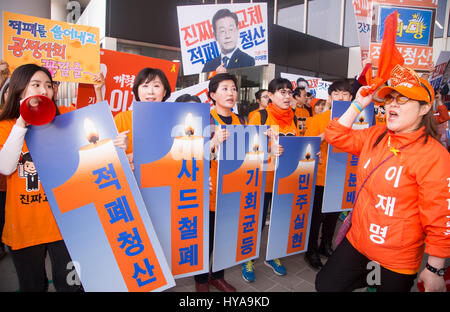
30	229
150	85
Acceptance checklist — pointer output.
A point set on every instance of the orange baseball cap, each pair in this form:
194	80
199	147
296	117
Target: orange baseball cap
408	83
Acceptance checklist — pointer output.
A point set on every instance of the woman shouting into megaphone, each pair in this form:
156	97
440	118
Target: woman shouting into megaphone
30	229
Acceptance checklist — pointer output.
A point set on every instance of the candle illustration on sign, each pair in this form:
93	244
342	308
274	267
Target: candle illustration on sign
361	122
91	131
100	180
187	146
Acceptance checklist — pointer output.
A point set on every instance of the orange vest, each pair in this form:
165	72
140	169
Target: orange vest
213	166
402	210
29	220
124	122
288	130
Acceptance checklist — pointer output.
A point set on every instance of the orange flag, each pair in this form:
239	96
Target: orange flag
365	78
389	55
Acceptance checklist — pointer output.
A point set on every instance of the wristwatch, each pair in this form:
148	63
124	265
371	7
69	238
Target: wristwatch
439	272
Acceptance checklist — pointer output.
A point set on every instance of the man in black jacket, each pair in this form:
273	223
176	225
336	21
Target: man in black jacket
226	33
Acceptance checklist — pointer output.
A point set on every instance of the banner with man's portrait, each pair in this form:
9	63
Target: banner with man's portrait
228	35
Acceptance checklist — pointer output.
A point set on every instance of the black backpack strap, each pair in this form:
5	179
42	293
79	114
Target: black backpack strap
263	114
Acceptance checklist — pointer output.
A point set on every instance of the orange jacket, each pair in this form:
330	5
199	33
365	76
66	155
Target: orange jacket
403	208
29	221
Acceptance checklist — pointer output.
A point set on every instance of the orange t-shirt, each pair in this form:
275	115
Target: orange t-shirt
124	122
29	221
290	130
301	112
252	113
380	118
315	126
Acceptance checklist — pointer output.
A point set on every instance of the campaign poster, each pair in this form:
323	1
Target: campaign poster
70	52
171	153
200	90
415	31
363	16
293	197
340	179
97	204
120	69
232	35
241	181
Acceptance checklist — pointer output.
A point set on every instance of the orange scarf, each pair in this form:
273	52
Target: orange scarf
283	117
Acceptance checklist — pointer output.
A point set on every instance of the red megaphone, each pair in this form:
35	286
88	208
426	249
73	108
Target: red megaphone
37	110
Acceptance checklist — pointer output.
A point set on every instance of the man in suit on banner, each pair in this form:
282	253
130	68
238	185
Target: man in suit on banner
226	33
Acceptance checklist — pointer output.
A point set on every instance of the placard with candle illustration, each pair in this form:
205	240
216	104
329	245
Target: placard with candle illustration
96	203
170	144
241	179
340	179
293	196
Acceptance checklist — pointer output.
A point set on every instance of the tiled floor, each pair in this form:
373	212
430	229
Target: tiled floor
299	278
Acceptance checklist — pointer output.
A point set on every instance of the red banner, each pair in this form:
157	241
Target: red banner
120	70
